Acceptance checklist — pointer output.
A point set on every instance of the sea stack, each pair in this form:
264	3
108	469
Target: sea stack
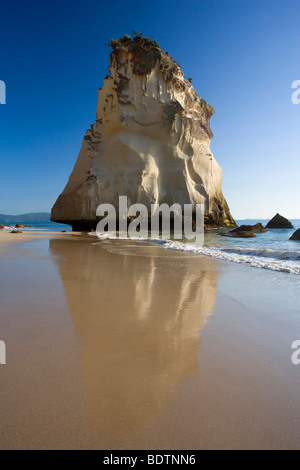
150	142
279	221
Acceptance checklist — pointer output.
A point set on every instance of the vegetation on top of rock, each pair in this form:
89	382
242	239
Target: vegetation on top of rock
125	38
145	51
138	39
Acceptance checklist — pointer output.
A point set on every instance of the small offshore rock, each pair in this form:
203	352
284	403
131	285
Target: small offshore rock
240	234
257	228
279	221
296	235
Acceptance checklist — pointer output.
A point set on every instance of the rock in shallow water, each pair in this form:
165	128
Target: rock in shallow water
257	228
296	235
239	234
150	142
279	221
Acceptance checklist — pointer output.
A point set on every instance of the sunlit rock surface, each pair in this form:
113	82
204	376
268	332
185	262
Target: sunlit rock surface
150	142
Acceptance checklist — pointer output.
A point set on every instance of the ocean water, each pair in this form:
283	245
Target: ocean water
43	226
271	250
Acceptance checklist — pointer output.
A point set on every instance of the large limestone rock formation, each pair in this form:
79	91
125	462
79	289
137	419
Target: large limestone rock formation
150	142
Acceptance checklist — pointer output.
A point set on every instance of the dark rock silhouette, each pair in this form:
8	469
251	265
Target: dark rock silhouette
296	235
257	228
279	221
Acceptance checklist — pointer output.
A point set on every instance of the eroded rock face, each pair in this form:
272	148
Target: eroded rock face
279	221
150	142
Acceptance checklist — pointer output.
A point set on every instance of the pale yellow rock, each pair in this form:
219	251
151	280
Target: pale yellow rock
150	142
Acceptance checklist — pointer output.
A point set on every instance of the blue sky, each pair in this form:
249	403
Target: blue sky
242	55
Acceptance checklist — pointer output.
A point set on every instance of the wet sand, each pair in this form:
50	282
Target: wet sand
6	237
123	345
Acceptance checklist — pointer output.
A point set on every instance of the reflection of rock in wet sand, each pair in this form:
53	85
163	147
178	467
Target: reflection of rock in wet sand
138	312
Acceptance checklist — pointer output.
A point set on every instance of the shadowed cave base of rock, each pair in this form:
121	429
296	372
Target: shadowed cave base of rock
90	225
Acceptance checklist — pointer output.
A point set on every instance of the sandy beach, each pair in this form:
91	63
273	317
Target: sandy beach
150	295
122	345
6	237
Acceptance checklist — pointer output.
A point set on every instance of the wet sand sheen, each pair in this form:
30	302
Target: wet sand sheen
117	345
138	327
